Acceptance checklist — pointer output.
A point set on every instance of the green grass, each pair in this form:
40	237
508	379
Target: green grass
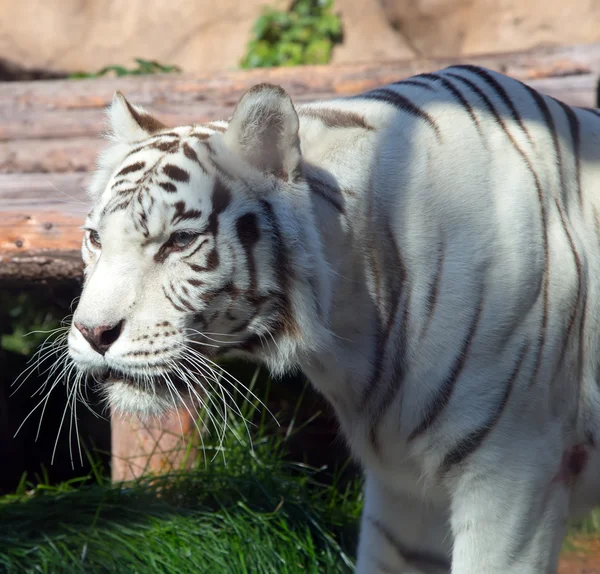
143	68
589	526
246	511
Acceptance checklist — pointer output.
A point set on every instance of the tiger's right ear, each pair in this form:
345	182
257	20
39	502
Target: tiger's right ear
264	130
129	123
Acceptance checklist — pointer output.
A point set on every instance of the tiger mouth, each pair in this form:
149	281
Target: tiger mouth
141	382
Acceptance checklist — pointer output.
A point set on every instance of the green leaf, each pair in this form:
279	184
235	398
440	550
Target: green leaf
318	52
305	34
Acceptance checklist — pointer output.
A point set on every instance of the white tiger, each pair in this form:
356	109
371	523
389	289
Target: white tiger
428	253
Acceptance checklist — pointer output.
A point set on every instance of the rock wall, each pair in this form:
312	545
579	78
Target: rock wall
85	35
434	28
201	35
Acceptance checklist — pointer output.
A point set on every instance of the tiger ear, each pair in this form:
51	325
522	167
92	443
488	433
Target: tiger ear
129	123
264	130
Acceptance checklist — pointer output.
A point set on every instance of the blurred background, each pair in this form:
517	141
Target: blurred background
80	495
69	36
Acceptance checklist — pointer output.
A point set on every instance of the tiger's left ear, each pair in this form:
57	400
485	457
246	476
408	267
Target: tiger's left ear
264	130
129	123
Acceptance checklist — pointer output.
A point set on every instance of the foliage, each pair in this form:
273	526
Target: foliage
27	323
245	511
305	34
144	67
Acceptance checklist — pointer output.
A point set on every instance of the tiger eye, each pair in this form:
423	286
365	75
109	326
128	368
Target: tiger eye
94	238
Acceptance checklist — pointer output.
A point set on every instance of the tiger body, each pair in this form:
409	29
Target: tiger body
426	253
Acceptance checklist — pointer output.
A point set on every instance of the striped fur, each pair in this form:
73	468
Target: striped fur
426	252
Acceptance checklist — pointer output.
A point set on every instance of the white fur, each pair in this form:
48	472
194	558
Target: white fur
462	193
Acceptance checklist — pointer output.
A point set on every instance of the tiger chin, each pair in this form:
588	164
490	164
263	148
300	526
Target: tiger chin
427	253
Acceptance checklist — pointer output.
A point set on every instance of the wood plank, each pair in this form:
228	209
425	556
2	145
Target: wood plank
55	126
43	266
40	235
49	155
40	219
69	140
227	86
63	192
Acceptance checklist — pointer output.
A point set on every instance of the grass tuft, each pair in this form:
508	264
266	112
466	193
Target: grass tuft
248	511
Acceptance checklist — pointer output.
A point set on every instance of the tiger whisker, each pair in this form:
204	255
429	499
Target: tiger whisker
230	379
211	374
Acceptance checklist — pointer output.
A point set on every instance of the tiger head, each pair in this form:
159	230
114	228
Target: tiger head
200	244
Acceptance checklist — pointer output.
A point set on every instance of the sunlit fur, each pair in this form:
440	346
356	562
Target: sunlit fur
427	253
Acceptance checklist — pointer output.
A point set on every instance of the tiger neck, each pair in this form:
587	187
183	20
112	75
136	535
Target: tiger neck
338	217
329	216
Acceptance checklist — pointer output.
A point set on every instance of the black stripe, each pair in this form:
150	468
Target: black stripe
200	135
500	91
402	103
168	186
398	371
248	234
434	288
191	154
545	278
119	182
446	389
421	557
221	198
176	173
171	300
415	82
548	119
393	262
127	191
473	440
581	348
330	194
200	245
576	138
578	268
334	118
131	168
459	96
183	214
216	128
283	270
113	207
170	146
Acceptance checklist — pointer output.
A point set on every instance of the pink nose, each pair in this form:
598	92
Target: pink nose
102	337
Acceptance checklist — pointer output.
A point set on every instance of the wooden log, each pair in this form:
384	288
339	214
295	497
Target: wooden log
315	81
49	155
155	447
76	140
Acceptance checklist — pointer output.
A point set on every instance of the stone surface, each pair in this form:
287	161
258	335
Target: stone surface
499	25
368	35
201	35
87	35
436	28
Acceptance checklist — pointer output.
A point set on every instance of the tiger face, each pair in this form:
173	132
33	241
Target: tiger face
187	252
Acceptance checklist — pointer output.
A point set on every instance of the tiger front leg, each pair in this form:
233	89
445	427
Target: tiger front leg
510	517
401	533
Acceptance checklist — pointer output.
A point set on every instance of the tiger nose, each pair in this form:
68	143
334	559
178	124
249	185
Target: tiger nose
102	337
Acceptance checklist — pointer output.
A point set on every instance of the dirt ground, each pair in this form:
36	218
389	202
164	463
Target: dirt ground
584	558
